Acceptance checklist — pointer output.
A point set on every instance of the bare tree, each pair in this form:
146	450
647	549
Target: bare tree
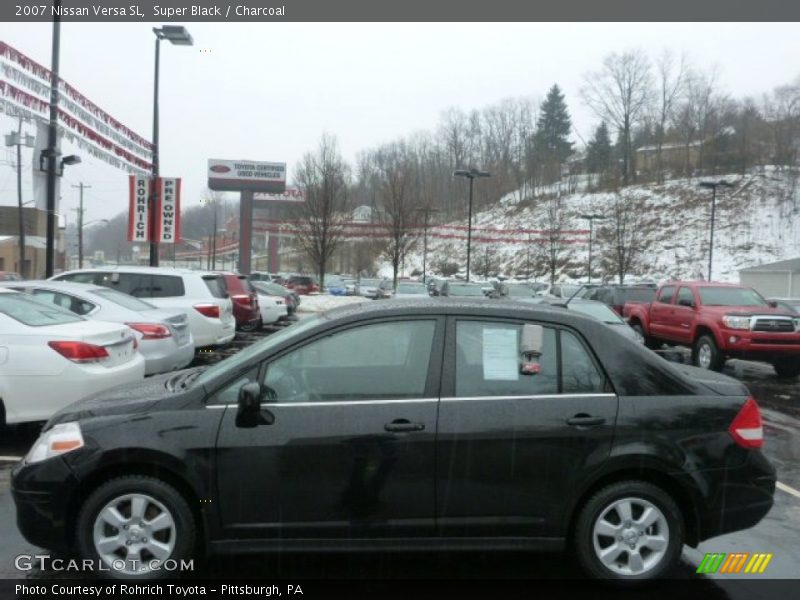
623	235
399	201
671	76
619	93
324	177
553	250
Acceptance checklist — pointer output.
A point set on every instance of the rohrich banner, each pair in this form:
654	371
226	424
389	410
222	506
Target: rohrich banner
167	226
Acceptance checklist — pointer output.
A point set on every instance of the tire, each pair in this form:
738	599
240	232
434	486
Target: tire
706	355
174	539
787	368
252	326
647	340
658	545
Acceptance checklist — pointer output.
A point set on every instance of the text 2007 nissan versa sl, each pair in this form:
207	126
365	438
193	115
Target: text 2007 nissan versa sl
451	424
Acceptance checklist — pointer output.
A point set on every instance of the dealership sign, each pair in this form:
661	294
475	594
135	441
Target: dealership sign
290	194
246	175
168	210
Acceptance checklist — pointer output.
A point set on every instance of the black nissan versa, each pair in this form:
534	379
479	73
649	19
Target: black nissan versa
420	425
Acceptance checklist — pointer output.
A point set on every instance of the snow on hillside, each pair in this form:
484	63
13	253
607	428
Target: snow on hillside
757	221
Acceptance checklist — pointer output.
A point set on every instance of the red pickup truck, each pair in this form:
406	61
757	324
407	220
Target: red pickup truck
719	321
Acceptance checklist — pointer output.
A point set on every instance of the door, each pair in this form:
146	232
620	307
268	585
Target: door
661	312
512	447
347	447
683	316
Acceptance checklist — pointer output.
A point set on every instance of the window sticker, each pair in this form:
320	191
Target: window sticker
500	355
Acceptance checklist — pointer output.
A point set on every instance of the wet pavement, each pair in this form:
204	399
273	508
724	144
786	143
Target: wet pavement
778	533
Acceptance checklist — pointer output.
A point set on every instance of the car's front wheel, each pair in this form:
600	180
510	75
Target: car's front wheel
136	527
630	531
707	355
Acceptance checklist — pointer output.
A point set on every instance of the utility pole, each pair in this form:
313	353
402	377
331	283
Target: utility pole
426	211
15	138
82	186
51	153
591	219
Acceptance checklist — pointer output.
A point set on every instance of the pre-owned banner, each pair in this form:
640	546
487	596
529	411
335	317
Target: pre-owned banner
168	230
139	211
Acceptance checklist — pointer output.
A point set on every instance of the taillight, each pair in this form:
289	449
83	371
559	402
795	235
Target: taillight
79	352
747	430
242	299
151	331
208	310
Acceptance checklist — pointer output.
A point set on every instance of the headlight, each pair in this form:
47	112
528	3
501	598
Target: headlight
734	322
61	439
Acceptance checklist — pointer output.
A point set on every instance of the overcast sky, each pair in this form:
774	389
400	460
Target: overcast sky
267	91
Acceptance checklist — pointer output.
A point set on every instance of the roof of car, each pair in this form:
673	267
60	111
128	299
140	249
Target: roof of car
140	269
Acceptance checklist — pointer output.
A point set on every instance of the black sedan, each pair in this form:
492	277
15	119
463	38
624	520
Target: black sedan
478	425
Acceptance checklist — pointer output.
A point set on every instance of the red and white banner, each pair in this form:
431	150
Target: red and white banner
138	215
168	210
168	227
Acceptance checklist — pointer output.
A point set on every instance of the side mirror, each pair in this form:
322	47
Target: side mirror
773	303
248	412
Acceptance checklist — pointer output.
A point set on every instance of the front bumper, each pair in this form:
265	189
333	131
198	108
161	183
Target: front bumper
42	493
754	344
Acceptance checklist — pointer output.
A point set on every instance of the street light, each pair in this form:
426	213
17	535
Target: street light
713	185
471	175
179	36
591	218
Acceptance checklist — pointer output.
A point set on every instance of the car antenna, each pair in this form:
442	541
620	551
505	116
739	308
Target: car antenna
580	289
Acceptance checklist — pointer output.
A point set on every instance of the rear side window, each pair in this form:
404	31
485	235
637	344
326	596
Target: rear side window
34	313
216	285
580	374
66	301
79	277
665	294
154	286
124	300
685	297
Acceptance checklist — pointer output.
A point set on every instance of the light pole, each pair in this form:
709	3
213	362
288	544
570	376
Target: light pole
471	175
81	225
426	211
51	152
15	139
179	36
591	218
713	185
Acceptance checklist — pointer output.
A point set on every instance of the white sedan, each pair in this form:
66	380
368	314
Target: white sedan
273	308
50	358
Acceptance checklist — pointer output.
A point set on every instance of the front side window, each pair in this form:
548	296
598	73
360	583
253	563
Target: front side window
665	294
369	362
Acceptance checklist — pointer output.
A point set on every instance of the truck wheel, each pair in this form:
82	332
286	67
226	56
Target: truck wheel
787	368
629	532
706	355
648	341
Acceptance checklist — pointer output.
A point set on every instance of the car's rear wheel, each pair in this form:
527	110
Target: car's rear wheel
629	532
252	326
134	527
787	368
706	355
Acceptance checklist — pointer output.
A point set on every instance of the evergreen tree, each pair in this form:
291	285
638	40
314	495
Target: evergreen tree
554	126
599	151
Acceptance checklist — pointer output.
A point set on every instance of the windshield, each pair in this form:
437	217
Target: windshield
597	310
334	282
34	313
245	355
465	290
520	291
730	296
272	289
371	282
123	299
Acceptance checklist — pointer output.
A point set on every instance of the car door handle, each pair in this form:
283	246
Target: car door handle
583	420
403	426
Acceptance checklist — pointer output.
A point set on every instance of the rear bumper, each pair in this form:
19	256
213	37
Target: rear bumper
742	497
163	356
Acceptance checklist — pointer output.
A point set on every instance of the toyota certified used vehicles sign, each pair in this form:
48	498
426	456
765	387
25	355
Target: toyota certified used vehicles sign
246	175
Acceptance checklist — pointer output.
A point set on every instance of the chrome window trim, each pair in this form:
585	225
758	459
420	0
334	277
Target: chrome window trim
420	400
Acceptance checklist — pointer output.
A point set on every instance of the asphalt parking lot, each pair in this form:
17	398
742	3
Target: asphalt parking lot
778	533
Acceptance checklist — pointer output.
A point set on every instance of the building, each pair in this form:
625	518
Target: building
35	221
774	280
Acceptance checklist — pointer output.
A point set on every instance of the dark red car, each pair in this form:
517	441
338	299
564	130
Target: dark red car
245	301
302	284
